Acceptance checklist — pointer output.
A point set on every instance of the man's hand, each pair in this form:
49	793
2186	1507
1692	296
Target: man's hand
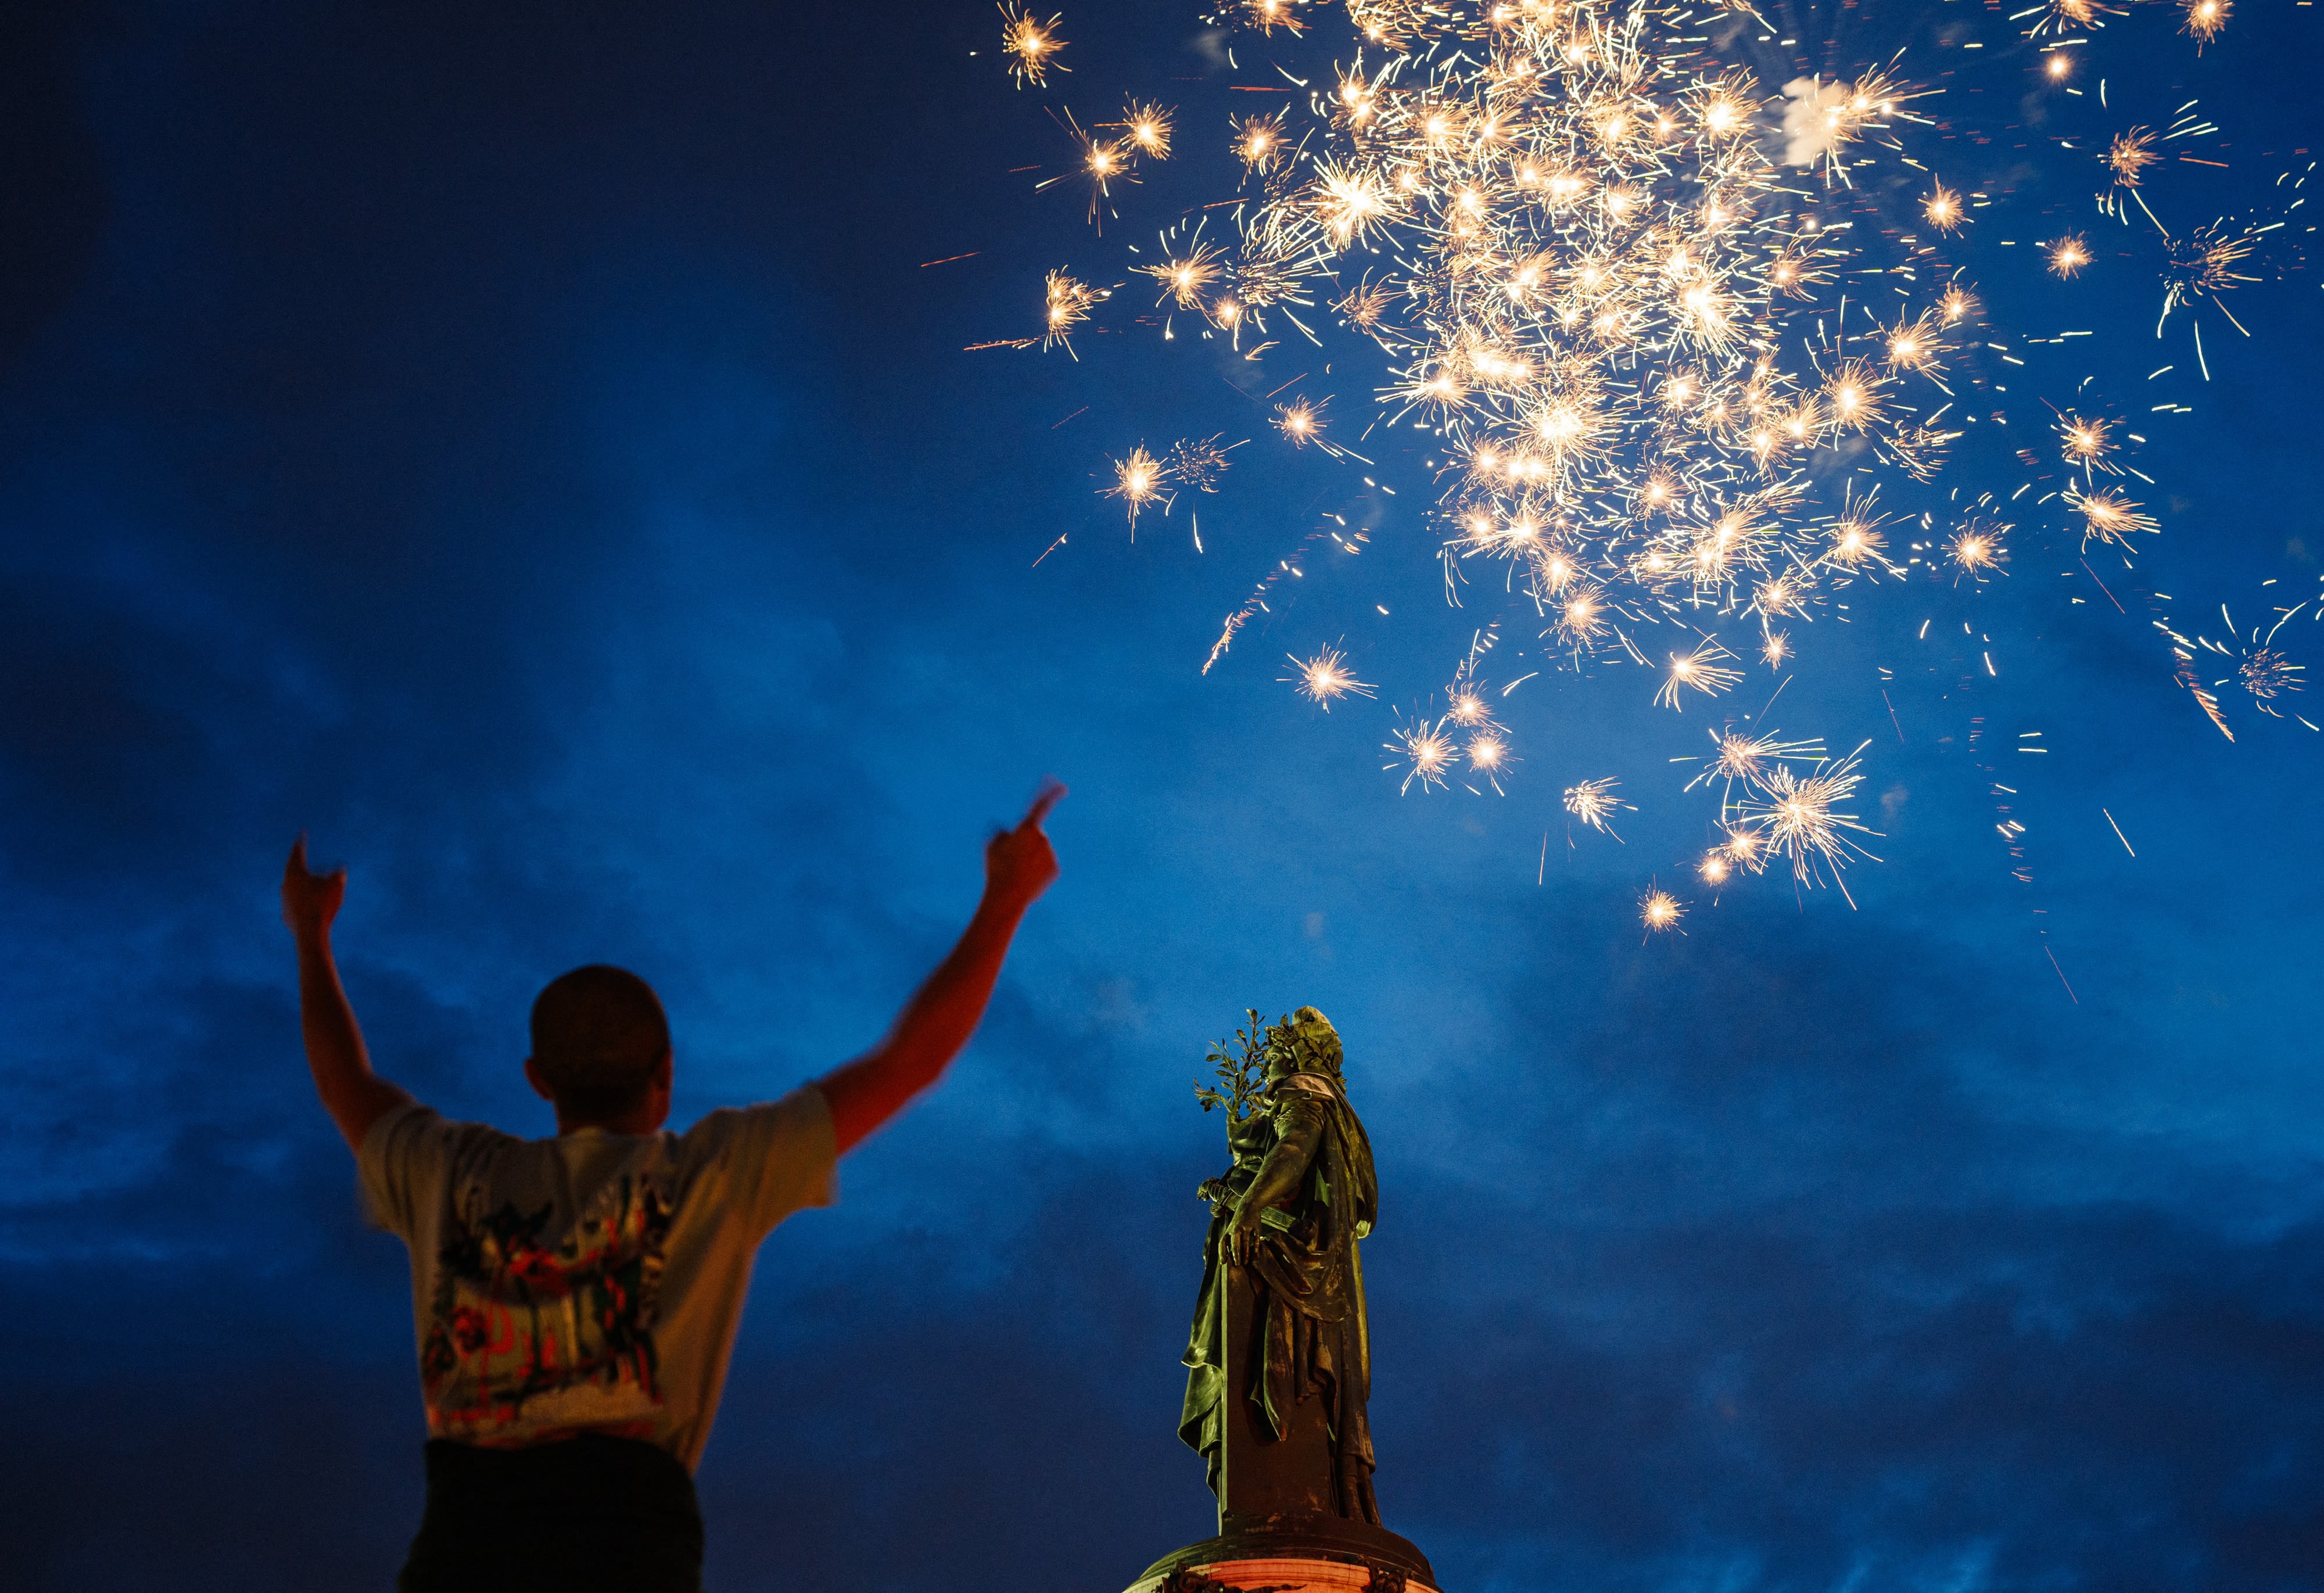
353	1095
310	900
937	1021
1018	864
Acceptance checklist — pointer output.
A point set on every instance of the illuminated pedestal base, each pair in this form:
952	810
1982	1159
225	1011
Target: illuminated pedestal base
1287	1576
1291	1556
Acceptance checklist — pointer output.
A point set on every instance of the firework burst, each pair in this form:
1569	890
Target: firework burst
1070	301
1030	44
1199	463
1262	143
2129	156
1916	343
1146	126
2068	254
1582	621
1662	330
1593	802
2268	675
1977	549
2109	517
1799	817
1423	752
1465	706
1704	669
1325	676
1301	422
1139	479
1571	254
2203	266
2202	20
1659	911
1186	279
1268	16
2086	442
1751	759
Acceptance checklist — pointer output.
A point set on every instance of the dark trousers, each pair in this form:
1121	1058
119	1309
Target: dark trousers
577	1515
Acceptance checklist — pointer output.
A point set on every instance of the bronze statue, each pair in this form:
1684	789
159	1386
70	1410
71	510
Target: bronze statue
1278	1365
1279	1362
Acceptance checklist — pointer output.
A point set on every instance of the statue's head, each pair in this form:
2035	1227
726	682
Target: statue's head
1306	1042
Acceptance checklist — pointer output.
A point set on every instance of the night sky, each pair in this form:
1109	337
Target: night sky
520	445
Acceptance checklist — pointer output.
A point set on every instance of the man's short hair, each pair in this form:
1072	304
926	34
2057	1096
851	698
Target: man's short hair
597	1035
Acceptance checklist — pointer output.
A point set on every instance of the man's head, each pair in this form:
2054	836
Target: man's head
601	1050
1307	1042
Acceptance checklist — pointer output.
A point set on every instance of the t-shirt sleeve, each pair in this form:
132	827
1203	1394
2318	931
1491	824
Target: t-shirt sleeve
776	1158
405	1160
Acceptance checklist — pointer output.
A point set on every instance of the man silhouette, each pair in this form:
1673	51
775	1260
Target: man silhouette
575	1298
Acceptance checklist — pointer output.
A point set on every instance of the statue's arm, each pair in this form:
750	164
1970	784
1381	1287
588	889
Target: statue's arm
1299	1125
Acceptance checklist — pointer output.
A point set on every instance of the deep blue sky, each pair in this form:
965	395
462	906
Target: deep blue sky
519	444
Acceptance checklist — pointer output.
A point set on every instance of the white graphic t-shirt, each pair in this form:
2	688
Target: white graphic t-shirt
592	1281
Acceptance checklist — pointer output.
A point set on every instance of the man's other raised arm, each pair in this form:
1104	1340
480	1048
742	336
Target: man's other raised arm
937	1021
353	1095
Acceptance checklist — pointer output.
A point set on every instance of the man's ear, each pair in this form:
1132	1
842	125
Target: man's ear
539	1085
663	1070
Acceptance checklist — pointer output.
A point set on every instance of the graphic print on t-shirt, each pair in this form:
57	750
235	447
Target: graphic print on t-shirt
531	1332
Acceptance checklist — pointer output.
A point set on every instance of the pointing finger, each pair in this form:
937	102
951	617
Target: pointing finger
1052	792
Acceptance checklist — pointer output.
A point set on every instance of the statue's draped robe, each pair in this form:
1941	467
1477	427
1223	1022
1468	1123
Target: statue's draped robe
1311	1359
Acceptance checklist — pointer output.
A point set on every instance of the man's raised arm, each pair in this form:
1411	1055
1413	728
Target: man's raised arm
937	1021
353	1095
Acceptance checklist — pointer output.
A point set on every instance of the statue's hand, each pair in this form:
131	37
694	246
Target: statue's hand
1243	1231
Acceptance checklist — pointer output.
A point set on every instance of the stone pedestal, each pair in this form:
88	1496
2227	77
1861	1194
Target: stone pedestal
1288	1554
1277	1576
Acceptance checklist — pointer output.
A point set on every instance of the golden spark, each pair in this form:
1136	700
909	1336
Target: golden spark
1147	128
1137	480
1799	817
1424	753
1704	671
1659	911
2130	155
1301	422
1032	43
2109	517
1069	304
2204	19
1262	142
2083	442
1324	676
1977	547
1186	279
1198	463
1593	802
